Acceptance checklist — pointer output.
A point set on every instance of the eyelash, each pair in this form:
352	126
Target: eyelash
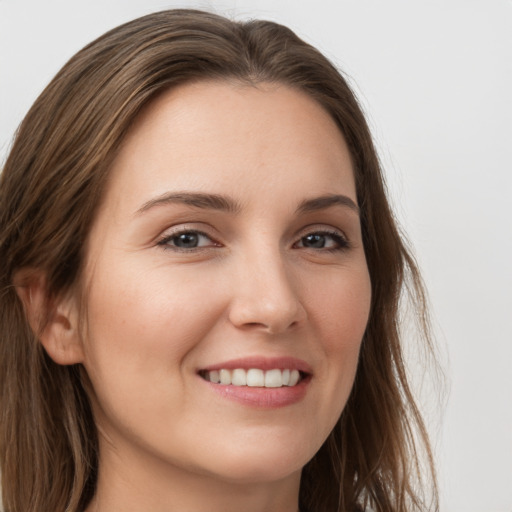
341	243
165	241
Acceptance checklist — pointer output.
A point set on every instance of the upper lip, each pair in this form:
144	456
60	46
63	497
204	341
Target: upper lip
263	363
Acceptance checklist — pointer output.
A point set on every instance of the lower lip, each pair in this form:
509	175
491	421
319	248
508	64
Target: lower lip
263	398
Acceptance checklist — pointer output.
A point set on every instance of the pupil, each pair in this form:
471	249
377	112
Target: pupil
316	241
187	240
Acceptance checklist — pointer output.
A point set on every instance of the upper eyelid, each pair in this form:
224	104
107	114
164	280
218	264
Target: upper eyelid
187	227
171	233
322	228
333	234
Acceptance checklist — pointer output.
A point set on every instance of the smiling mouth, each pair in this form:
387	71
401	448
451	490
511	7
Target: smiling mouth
255	377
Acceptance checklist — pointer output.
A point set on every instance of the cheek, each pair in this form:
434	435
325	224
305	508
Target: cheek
340	308
141	328
340	316
142	302
145	323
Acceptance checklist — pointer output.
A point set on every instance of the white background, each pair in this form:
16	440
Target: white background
435	78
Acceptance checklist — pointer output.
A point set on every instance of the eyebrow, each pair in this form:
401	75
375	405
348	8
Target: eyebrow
195	199
226	204
323	202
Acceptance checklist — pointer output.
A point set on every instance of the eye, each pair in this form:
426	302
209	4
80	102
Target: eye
323	240
189	239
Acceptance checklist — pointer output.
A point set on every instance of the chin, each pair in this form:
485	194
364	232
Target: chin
261	463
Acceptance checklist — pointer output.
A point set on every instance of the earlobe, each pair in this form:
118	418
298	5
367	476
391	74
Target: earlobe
53	320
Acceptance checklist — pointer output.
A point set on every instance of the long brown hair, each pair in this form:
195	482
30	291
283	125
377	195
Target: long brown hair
49	192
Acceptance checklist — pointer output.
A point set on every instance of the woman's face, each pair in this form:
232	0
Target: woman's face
228	246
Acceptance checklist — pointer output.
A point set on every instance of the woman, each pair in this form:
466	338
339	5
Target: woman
200	284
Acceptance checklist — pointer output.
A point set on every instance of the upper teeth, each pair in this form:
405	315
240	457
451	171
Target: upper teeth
254	377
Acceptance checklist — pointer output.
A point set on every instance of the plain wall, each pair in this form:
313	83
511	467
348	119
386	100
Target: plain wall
435	78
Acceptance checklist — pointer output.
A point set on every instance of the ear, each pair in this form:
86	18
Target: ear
53	320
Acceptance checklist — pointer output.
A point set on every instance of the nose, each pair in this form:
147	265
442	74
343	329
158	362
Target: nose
265	296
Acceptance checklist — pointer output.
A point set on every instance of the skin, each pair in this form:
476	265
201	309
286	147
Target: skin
156	314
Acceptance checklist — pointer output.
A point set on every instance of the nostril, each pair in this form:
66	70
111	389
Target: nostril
266	311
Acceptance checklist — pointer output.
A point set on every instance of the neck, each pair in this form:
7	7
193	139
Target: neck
134	482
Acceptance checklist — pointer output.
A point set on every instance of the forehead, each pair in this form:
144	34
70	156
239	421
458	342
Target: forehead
230	138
